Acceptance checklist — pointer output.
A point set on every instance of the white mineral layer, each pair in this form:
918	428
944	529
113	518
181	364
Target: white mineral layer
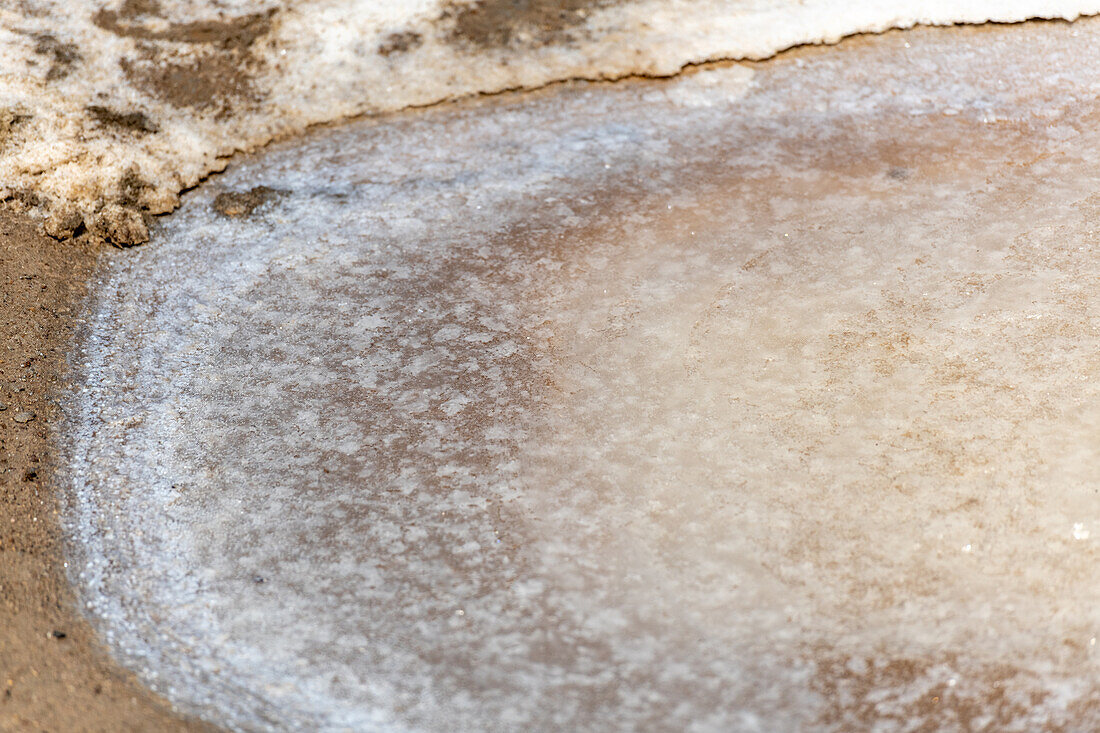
763	398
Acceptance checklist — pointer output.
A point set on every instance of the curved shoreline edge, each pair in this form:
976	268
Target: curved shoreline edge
108	113
54	672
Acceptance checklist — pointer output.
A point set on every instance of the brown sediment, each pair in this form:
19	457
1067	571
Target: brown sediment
54	675
123	226
243	203
500	23
924	691
400	43
130	121
217	73
63	56
215	81
238	32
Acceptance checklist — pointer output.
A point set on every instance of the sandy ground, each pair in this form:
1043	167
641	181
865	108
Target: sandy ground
54	675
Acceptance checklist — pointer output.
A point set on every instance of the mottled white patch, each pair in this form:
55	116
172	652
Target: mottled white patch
593	410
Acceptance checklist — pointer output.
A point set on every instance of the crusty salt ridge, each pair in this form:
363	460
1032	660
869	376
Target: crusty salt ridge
110	110
761	399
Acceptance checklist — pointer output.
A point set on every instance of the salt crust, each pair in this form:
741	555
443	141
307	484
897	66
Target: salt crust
129	103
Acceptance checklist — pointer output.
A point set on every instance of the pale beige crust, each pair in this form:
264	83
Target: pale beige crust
110	108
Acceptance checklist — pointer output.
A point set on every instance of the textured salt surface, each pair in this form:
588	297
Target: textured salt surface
747	401
108	110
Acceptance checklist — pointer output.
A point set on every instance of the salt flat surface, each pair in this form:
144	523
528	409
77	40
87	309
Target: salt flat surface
765	398
109	108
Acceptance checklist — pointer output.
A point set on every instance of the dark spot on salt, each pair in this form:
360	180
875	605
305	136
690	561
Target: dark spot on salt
8	121
499	23
239	32
209	82
243	203
122	226
131	187
131	121
899	174
210	77
132	8
26	199
63	221
63	56
400	43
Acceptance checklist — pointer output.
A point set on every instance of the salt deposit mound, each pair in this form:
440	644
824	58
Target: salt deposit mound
109	110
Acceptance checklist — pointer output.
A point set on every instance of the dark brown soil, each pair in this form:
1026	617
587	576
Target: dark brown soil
215	81
497	23
63	56
54	676
243	203
130	121
216	75
233	32
400	43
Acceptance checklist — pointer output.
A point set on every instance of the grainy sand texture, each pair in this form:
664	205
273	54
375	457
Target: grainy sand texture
54	673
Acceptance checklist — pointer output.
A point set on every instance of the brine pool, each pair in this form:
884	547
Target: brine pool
763	398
